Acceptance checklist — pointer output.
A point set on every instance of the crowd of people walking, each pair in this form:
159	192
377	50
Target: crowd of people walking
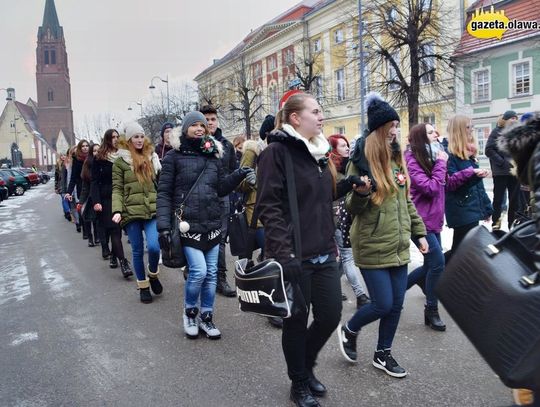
358	209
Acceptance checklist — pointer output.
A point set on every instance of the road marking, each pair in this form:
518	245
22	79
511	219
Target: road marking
26	337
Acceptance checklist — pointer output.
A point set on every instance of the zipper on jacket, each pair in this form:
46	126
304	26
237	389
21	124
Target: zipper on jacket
399	228
320	171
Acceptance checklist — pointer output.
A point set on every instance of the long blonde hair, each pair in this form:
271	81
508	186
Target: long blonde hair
142	160
458	136
379	156
295	104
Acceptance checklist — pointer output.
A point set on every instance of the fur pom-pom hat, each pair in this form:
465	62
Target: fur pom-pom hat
379	111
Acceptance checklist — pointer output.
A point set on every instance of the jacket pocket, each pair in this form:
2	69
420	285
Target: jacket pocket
378	223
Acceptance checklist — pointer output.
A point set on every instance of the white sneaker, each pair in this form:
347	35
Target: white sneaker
191	327
207	326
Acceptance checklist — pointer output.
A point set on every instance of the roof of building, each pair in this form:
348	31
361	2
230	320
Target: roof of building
270	28
50	20
521	10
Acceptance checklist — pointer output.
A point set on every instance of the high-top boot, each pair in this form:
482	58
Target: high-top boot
144	290
126	268
301	395
155	285
223	286
113	262
91	240
432	318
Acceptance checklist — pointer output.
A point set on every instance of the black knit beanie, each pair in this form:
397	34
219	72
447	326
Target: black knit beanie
379	112
267	126
166	125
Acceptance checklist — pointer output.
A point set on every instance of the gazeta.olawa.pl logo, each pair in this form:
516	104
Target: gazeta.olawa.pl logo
493	24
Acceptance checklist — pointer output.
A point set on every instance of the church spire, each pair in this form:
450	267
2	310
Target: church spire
50	21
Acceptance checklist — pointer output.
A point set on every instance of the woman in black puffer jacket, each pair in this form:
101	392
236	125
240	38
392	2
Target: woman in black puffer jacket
194	164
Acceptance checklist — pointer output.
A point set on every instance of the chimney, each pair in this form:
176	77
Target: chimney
10	94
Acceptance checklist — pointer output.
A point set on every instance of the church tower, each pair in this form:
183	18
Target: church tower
54	113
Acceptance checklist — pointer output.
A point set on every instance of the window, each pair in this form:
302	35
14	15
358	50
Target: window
427	63
274	98
257	70
289	57
50	95
53	57
317	46
340	84
258	102
481	85
46	57
338	36
339	130
481	133
319	88
430	118
521	78
392	73
271	63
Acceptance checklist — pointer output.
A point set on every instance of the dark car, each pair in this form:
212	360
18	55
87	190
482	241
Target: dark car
4	192
17	184
32	176
43	177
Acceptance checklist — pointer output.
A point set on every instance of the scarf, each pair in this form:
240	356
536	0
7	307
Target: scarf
318	146
433	149
113	156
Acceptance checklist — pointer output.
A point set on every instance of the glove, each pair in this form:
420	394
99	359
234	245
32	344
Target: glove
251	178
292	270
78	207
164	240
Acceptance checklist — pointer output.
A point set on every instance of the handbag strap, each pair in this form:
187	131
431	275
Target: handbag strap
191	189
293	206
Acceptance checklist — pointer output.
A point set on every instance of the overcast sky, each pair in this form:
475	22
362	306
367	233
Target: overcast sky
116	46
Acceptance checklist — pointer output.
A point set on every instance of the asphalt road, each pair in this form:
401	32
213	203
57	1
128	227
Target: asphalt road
73	333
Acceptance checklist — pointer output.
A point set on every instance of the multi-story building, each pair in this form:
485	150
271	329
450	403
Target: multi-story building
495	75
315	43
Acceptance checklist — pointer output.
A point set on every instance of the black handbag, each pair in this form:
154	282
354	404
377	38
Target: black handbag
174	257
261	288
492	290
239	232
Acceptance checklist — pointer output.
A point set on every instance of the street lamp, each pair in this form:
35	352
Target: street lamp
361	63
138	103
167	82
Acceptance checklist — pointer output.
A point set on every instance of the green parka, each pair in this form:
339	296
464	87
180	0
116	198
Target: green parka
251	151
380	235
130	198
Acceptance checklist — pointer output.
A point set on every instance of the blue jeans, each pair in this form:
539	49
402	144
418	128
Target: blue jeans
65	204
135	233
347	266
202	278
431	270
386	288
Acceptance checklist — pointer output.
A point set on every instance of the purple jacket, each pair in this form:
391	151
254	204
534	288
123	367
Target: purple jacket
428	192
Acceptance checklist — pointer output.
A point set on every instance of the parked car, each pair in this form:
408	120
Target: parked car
32	176
43	177
4	192
17	184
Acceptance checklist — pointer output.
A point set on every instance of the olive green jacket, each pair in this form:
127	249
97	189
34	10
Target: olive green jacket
251	151
380	235
130	198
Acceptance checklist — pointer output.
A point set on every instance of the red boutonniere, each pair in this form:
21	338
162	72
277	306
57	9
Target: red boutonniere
208	145
400	178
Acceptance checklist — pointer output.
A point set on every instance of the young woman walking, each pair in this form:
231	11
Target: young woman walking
88	215
191	182
384	221
134	175
75	181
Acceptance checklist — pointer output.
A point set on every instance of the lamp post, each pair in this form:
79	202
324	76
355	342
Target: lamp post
138	103
361	63
167	82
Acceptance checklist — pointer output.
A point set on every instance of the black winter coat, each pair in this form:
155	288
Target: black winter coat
101	191
229	153
75	180
180	170
499	161
314	187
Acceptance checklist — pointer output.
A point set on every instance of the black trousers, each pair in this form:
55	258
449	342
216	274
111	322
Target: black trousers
501	184
321	287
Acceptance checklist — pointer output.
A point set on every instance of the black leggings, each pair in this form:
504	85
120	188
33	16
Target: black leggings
321	287
502	183
115	235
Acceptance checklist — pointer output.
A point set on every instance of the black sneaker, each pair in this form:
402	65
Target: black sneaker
347	343
113	262
383	359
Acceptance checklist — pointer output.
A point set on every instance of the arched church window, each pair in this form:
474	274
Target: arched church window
50	95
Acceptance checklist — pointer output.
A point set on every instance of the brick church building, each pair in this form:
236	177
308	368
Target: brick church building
32	133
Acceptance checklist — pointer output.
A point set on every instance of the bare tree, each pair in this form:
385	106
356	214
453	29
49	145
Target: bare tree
409	46
93	127
246	100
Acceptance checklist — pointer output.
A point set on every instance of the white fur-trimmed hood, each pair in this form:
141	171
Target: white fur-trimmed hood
176	143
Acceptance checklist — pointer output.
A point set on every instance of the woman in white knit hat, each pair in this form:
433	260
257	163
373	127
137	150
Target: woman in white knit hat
134	204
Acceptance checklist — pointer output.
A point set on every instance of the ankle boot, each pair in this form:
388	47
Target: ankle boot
155	285
97	240
113	263
301	395
144	290
432	318
223	286
126	268
90	241
317	388
105	252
